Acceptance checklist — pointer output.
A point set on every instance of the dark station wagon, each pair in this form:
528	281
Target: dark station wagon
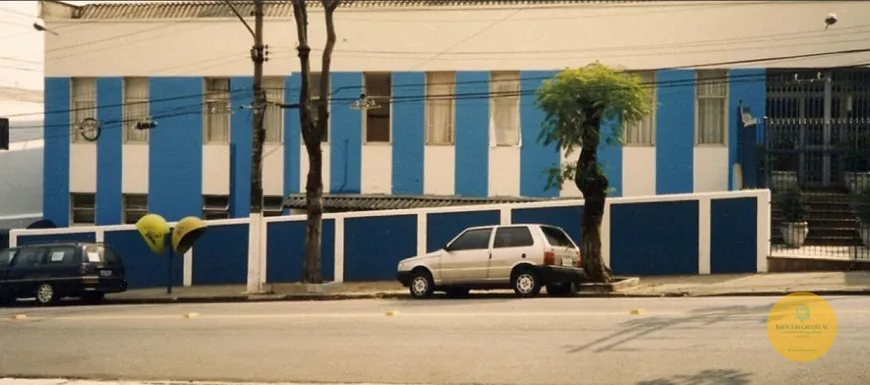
50	272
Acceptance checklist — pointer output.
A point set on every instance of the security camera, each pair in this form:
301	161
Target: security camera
830	20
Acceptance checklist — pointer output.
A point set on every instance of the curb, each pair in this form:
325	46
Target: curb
403	296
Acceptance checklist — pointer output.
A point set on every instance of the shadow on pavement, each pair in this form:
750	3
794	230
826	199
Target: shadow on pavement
706	377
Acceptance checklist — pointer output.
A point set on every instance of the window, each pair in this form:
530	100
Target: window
440	108
61	255
274	119
505	107
6	256
513	237
135	109
379	88
314	91
84	104
28	256
83	208
556	237
135	207
643	132
216	119
472	240
101	253
273	206
711	105
215	207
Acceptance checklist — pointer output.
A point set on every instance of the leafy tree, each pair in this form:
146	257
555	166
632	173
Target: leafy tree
312	132
576	102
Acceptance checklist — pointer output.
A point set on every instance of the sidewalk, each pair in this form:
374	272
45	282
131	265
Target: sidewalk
826	283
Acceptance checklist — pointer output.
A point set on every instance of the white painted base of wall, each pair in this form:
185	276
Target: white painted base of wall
256	253
273	170
377	168
638	171
710	171
439	170
134	177
216	169
506	182
83	168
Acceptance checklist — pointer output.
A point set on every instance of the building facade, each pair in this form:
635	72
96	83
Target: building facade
453	97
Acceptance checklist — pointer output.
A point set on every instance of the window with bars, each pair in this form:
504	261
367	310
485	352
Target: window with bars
711	104
504	105
274	118
216	111
83	104
379	89
273	206
83	207
440	107
135	207
314	91
643	132
215	207
136	91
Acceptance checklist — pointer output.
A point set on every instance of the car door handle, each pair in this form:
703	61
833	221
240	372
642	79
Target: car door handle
490	255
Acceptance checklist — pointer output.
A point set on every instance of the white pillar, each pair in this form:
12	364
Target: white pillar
255	253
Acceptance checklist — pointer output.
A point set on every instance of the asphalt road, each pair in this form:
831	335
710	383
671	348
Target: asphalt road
679	341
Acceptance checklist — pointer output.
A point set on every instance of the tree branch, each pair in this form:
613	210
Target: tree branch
300	13
329	7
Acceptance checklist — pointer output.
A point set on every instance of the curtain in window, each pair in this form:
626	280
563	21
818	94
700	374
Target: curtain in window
505	105
217	111
643	131
135	108
84	103
274	119
712	92
439	107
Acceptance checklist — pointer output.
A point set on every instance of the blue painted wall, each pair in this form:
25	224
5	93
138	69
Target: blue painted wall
55	158
144	268
610	155
675	131
175	148
471	173
409	117
750	86
374	246
535	159
241	144
442	227
109	208
220	256
345	137
53	238
733	235
568	218
654	238
286	249
292	136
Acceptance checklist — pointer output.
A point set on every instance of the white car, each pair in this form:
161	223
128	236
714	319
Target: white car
523	257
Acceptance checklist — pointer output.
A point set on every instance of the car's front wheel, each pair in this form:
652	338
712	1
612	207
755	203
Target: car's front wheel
422	285
46	295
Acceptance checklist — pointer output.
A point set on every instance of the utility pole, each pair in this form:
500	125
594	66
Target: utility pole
258	56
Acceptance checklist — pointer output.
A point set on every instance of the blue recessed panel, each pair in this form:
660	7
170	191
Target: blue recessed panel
25	240
658	238
733	235
109	155
292	136
345	140
675	131
56	154
408	132
748	85
569	218
442	227
220	256
610	156
286	249
144	268
175	148
374	246
472	135
241	142
535	158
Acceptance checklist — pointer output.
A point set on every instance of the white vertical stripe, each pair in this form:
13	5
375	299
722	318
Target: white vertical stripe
421	233
763	240
439	171
505	216
377	168
263	247
255	224
569	189
639	171
338	265
704	235
99	235
187	277
504	171
605	235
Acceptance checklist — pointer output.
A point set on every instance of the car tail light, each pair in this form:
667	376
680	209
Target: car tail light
579	260
549	258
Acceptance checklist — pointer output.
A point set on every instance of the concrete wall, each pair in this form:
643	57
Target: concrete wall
21	179
706	233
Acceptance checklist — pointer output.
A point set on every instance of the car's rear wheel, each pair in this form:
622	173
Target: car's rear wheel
525	283
422	285
46	295
93	297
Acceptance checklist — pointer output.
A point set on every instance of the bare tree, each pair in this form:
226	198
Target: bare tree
312	132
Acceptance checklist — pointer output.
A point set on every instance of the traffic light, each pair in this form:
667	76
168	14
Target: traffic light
4	133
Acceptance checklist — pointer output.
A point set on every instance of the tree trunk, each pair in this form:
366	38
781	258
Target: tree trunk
593	183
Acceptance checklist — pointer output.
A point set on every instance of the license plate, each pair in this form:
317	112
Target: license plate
566	261
105	273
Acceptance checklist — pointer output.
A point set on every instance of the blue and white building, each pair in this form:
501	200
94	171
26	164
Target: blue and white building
186	66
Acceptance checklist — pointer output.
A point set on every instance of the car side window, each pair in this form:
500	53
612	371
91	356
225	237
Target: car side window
556	237
513	237
28	256
6	256
61	255
472	240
